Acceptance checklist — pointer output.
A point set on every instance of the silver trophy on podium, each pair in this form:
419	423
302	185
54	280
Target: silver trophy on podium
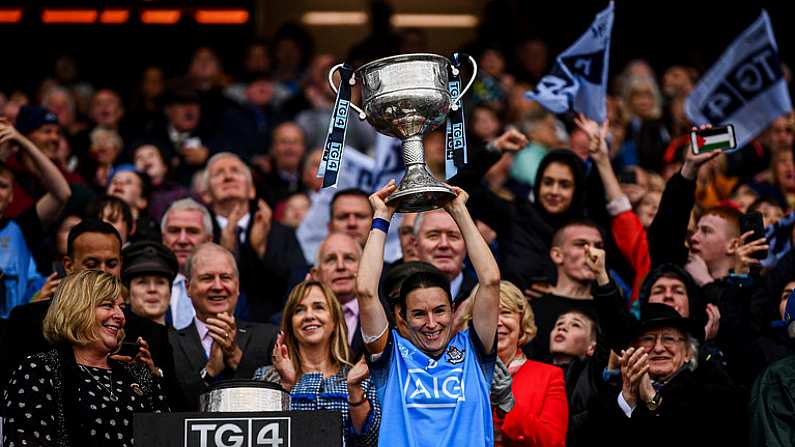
405	97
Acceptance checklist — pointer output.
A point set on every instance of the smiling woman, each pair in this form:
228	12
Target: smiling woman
311	359
540	409
78	394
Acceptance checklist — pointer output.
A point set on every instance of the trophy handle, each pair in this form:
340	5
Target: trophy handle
362	115
474	64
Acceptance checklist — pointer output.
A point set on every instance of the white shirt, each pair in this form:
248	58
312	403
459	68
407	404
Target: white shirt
455	285
624	406
242	224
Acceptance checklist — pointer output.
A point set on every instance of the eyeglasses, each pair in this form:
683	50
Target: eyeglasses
668	341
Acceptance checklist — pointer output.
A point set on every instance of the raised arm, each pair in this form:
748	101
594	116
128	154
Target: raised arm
668	230
50	205
600	155
372	316
486	307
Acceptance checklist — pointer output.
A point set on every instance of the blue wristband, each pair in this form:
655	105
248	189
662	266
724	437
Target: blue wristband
380	224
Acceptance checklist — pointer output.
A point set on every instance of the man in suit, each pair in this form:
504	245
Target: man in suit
92	244
439	242
186	224
216	345
337	265
266	251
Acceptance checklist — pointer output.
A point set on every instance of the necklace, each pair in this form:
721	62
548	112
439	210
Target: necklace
108	387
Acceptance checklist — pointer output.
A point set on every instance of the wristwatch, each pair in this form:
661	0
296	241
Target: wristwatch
654	402
206	377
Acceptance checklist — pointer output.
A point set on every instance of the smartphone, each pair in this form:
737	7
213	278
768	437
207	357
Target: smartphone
128	348
713	139
57	267
753	221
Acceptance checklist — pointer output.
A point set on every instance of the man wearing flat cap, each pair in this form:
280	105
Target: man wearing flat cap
182	139
149	269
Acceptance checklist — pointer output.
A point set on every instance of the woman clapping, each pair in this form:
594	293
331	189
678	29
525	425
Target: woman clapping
311	361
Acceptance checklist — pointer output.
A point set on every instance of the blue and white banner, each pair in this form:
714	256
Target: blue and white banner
745	87
357	171
578	80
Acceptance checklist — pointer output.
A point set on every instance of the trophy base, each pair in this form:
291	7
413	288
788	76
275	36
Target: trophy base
419	191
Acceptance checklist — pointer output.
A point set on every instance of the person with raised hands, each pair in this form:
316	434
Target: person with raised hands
312	361
433	374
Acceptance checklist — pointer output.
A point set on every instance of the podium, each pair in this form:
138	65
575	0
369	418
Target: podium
248	429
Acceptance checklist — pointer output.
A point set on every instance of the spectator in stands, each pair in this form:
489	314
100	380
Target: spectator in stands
134	188
91	245
116	212
286	160
540	412
149	159
351	213
312	361
149	270
78	393
663	387
216	345
439	242
336	267
268	252
185	225
570	246
22	235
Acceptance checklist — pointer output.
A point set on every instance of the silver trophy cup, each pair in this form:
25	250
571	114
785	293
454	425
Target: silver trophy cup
406	96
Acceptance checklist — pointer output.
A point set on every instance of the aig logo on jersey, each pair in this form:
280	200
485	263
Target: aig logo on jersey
441	390
237	432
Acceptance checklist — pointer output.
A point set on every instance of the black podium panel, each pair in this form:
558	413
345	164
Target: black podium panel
251	429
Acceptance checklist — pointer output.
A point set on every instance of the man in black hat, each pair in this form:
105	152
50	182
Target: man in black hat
666	399
149	269
180	136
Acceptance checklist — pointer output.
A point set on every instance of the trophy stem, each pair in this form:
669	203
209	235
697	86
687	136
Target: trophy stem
419	190
413	150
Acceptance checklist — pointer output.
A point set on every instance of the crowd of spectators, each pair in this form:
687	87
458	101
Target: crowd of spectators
633	307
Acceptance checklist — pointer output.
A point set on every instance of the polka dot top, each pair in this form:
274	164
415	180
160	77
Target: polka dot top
106	402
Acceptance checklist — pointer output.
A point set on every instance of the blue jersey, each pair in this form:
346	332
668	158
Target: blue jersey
435	402
20	276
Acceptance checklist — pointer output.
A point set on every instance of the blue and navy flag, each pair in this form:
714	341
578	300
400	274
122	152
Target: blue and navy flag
578	80
745	87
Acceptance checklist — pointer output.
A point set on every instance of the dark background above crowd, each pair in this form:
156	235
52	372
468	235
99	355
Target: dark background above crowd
666	33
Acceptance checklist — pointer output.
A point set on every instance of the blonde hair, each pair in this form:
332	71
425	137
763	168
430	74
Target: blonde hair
71	318
638	83
340	353
514	300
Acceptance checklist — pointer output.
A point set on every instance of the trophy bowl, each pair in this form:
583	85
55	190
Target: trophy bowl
244	395
406	96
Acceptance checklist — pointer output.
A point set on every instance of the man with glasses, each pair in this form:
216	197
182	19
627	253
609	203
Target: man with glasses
663	387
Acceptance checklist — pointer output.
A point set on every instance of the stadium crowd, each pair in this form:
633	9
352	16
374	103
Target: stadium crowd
590	284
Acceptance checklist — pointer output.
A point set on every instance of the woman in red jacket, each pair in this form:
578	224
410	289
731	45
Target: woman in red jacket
540	414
